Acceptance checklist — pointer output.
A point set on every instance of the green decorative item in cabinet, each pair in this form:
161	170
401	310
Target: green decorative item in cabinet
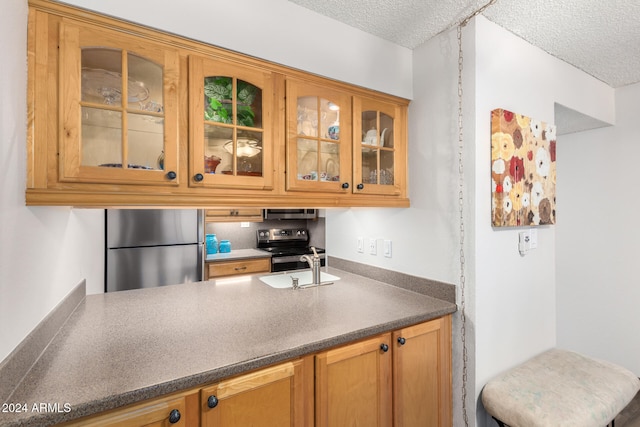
219	100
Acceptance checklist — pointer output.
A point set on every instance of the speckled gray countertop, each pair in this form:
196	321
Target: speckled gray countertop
237	254
123	347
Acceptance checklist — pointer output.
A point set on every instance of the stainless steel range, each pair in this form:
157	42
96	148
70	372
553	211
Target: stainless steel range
286	246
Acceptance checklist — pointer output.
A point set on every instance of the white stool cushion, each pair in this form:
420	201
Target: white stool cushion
560	388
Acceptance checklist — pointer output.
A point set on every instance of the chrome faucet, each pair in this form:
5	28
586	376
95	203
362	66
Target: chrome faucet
314	264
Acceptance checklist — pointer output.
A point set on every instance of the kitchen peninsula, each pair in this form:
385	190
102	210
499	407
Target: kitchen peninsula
120	348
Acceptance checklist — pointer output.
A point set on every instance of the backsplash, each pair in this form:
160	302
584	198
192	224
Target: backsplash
245	237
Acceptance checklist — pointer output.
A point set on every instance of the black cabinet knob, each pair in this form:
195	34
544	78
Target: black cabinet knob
174	416
384	347
345	185
212	401
360	186
171	175
198	177
401	340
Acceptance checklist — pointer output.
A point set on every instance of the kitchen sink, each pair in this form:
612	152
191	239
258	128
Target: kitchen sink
305	278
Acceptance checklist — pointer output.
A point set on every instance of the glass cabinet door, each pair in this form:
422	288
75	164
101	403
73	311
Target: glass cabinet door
376	152
231	116
119	108
318	138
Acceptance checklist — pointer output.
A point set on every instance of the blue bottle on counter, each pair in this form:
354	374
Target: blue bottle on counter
225	246
212	244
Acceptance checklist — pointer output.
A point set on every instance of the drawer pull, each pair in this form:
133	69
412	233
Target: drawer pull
384	348
401	340
174	416
212	401
244	267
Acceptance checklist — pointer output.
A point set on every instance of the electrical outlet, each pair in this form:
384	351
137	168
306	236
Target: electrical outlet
245	224
524	242
360	246
533	238
387	248
373	246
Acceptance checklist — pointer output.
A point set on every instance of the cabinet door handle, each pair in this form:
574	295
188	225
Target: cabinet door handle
171	175
212	401
198	177
360	186
345	185
384	347
401	340
174	416
241	268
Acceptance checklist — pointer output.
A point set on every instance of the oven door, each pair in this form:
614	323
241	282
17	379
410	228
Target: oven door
291	262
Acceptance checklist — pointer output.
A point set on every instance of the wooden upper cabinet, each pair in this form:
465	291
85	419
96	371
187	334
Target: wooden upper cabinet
118	107
231	120
122	115
318	138
353	384
380	151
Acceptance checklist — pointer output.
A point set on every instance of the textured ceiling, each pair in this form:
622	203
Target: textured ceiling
600	37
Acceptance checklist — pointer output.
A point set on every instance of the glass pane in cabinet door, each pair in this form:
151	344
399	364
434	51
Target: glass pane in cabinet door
329	120
145	88
101	137
386	167
249	153
307	159
218	99
369	165
249	105
308	116
146	141
370	127
102	76
329	161
386	135
217	159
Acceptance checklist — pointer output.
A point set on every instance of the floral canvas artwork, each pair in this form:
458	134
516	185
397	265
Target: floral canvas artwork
523	170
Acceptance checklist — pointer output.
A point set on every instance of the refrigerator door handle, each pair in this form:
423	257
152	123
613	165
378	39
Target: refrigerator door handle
201	258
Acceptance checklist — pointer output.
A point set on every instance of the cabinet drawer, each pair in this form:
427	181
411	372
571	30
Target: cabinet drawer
180	410
230	268
231	215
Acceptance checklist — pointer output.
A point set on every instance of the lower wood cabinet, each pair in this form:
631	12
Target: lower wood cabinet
400	379
218	269
353	384
422	374
272	397
178	410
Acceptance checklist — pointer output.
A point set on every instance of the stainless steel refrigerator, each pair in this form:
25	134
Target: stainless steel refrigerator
146	248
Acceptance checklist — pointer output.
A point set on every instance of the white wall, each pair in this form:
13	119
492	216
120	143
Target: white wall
44	252
597	252
516	296
278	31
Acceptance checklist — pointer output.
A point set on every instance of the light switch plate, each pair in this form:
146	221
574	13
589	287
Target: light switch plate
387	248
360	246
